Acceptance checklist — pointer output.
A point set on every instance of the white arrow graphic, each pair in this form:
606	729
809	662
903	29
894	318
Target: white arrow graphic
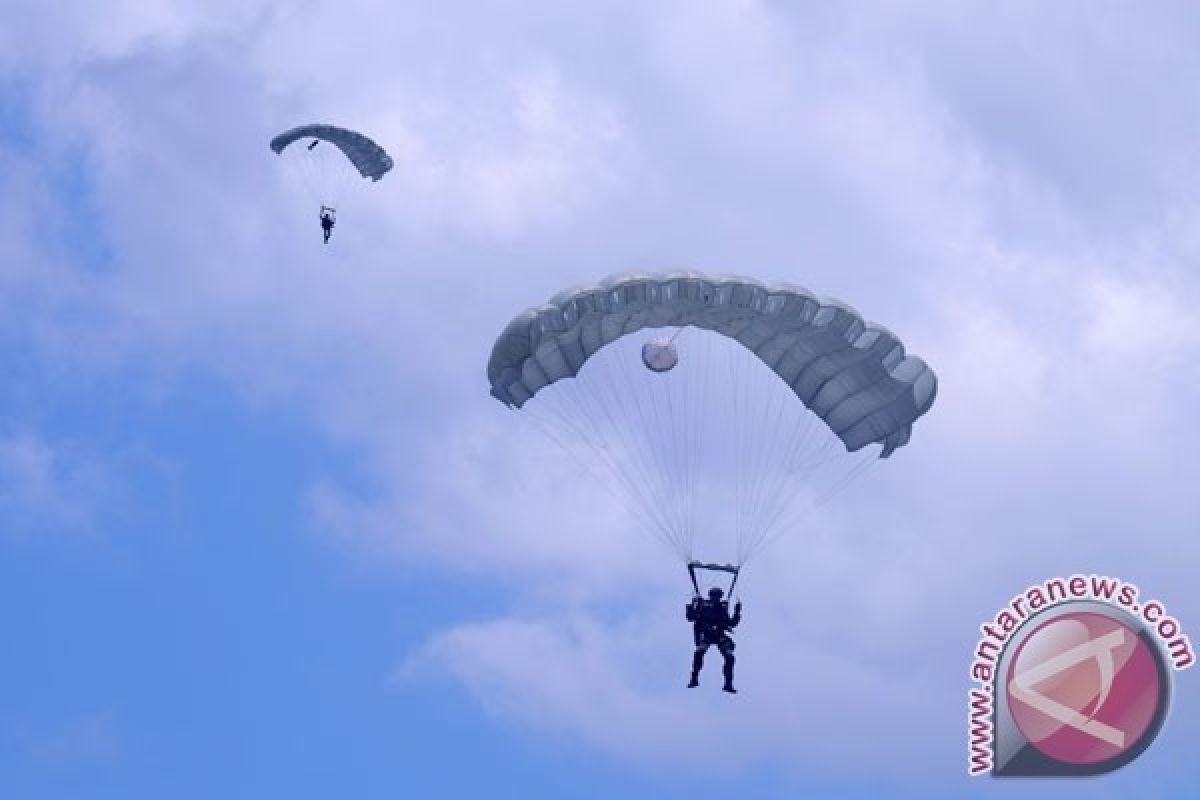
1021	686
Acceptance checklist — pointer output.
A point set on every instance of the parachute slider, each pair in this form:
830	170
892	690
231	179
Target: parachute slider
730	568
659	354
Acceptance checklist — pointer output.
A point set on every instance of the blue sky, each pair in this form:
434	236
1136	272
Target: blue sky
263	532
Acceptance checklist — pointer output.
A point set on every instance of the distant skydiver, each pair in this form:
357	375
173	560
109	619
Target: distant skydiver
327	221
711	625
326	171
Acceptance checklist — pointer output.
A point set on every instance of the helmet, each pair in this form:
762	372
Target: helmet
715	594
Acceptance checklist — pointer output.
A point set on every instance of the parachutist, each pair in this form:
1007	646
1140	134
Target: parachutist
327	221
775	378
348	150
711	624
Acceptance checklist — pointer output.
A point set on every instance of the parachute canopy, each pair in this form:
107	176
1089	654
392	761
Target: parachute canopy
852	374
368	158
759	403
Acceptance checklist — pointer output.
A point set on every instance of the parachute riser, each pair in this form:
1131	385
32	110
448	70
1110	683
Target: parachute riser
730	568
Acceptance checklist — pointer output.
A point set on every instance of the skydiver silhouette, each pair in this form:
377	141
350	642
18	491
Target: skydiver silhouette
711	626
327	221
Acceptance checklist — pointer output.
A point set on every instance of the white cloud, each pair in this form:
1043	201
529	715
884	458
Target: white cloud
495	498
806	700
91	738
1140	324
27	466
75	32
52	485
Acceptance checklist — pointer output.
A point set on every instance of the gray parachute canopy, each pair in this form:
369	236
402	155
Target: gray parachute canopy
368	158
852	374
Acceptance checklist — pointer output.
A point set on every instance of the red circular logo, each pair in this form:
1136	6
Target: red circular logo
1083	688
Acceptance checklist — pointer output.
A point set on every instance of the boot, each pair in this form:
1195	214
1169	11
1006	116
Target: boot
697	663
728	687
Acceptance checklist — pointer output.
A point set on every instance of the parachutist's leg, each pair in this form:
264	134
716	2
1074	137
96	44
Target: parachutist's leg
697	663
726	647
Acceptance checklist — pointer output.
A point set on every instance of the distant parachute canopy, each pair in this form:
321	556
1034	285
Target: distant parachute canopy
763	402
368	158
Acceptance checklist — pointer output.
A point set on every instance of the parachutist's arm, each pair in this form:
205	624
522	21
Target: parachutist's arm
737	616
692	609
